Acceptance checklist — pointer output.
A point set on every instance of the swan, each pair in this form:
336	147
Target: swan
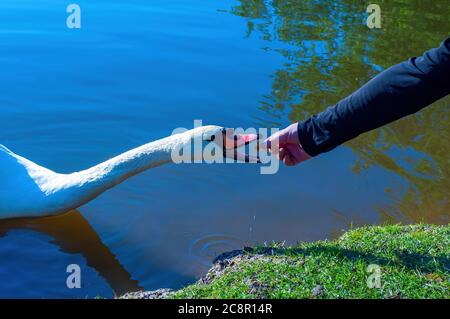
30	190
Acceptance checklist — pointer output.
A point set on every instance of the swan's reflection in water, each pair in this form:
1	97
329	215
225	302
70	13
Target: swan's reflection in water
73	234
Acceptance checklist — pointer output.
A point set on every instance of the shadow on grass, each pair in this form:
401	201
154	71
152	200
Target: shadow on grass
411	261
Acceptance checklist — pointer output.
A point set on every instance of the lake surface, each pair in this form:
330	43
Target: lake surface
136	70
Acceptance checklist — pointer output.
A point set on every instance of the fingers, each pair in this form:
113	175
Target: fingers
292	155
291	158
272	143
288	161
277	140
286	157
286	144
282	154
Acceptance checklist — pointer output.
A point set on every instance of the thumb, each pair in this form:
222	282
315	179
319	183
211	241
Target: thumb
277	140
272	143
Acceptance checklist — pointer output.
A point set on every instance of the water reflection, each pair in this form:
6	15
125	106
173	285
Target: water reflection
131	83
73	234
329	53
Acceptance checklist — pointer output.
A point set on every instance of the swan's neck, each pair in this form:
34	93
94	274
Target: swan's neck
92	182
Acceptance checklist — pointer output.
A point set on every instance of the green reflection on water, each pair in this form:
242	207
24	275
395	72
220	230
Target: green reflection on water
329	52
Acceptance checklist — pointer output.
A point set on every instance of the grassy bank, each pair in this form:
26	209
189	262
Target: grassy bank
414	262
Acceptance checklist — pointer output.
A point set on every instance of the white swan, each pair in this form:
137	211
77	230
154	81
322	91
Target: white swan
30	190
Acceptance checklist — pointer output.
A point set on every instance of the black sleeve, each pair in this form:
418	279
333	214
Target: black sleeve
401	90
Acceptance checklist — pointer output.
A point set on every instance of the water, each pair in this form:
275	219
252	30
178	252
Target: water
138	69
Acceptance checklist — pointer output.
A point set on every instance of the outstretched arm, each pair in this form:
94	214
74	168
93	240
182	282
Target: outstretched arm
401	90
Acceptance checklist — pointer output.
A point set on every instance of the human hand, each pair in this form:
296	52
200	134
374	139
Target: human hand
287	144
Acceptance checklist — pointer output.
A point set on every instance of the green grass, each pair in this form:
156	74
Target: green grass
414	262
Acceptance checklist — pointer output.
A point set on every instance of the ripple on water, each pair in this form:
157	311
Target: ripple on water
208	247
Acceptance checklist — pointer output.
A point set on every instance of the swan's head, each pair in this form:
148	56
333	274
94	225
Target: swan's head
212	142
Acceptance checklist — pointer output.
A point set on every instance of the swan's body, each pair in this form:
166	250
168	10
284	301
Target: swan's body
29	190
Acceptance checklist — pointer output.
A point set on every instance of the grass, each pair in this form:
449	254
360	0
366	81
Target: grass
414	262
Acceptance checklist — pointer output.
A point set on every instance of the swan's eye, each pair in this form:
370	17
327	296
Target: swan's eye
211	138
214	137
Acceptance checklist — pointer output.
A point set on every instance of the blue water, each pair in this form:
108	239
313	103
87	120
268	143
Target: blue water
71	98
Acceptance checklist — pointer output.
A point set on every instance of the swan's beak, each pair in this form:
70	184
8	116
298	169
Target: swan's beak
233	141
